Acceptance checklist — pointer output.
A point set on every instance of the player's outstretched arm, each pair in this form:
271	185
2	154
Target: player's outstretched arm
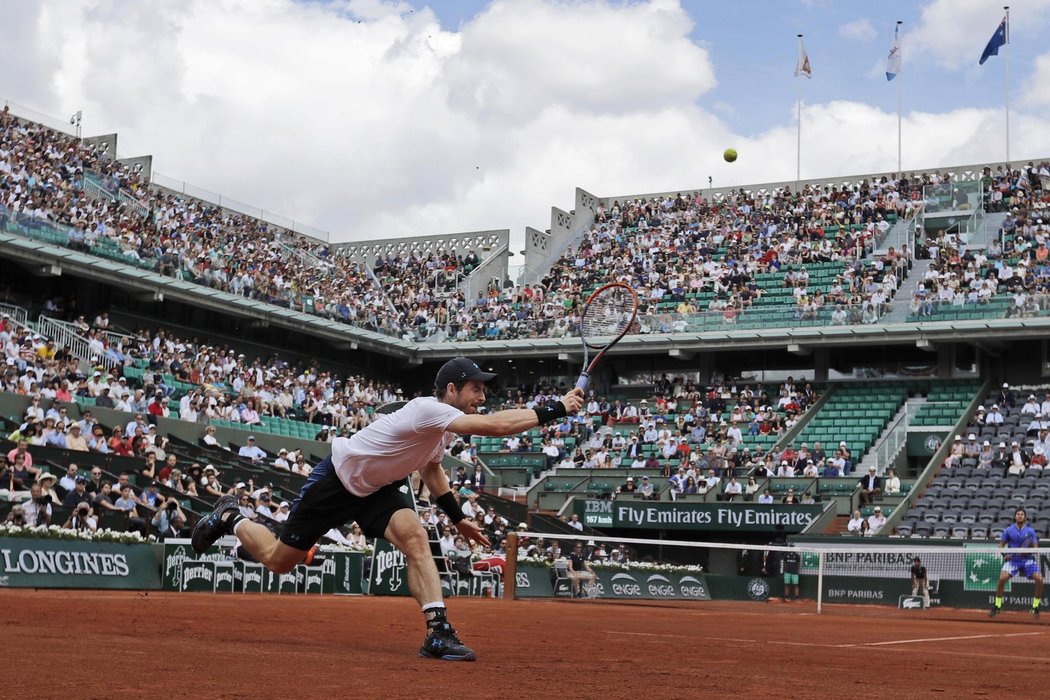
516	420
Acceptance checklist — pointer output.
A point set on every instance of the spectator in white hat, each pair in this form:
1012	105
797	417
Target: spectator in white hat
994	417
1005	397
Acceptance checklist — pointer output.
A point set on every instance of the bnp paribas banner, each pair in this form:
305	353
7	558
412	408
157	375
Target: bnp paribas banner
966	578
40	563
754	517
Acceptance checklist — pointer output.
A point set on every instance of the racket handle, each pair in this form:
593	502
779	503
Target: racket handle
583	381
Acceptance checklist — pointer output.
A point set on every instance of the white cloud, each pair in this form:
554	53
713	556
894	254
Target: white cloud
1037	90
955	32
858	30
368	119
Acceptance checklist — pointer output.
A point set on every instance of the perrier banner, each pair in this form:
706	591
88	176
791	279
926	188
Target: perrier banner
389	570
182	569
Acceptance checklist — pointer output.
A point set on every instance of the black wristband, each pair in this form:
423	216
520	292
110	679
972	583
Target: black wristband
550	412
451	508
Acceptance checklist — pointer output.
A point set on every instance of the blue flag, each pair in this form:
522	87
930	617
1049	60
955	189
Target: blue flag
998	39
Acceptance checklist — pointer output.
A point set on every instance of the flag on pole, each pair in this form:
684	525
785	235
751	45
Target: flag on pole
893	63
802	68
999	39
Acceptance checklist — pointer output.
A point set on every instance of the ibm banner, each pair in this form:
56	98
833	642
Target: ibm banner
38	563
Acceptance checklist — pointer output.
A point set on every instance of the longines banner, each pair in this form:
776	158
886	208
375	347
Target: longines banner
752	517
38	563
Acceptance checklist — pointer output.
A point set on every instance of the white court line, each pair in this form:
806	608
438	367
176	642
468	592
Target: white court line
943	639
727	639
830	646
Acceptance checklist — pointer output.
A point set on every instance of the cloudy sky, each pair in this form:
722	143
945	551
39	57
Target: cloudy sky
374	119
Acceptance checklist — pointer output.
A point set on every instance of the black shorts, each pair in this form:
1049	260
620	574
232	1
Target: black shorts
325	503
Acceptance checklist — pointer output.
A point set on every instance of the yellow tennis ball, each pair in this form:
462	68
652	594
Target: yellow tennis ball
729	155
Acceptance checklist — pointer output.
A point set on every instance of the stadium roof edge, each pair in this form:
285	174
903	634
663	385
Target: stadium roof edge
832	180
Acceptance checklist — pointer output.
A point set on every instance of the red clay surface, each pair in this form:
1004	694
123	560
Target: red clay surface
81	644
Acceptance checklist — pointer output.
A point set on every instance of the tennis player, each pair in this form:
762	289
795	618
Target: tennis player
1019	535
364	481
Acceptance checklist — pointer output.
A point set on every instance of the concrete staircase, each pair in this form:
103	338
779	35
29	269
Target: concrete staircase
892	439
902	299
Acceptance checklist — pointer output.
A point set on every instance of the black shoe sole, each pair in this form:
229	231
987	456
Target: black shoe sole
449	657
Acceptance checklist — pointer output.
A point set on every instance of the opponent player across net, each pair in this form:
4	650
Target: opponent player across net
364	481
1019	535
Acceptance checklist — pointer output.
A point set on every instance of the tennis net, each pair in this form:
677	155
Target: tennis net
851	578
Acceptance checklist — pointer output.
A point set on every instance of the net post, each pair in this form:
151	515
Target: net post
510	578
820	580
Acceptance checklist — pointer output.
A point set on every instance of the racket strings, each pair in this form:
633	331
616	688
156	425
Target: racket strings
609	313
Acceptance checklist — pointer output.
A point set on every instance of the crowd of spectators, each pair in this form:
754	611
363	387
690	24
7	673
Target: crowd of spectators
1009	434
671	246
1014	267
698	437
228	385
665	246
42	178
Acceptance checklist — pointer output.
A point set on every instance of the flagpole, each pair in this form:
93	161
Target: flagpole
900	101
1006	74
798	120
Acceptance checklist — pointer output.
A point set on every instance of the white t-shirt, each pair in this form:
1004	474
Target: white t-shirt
394	446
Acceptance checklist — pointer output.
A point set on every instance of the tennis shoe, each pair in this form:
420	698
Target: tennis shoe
443	643
1035	613
993	612
211	527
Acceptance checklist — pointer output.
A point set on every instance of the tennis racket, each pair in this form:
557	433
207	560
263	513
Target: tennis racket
607	316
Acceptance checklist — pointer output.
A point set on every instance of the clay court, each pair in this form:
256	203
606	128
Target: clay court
81	644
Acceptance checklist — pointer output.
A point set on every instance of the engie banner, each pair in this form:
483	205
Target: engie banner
42	563
753	517
628	583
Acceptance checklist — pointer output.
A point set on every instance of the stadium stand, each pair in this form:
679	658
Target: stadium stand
748	259
995	465
743	261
